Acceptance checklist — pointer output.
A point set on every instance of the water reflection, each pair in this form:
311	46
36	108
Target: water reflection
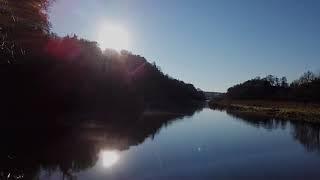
307	134
43	153
27	153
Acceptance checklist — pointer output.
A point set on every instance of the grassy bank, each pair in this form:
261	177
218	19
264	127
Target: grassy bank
276	109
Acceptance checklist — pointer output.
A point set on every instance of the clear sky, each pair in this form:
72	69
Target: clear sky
213	44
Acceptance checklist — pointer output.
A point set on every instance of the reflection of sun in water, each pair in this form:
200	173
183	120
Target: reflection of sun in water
109	158
112	36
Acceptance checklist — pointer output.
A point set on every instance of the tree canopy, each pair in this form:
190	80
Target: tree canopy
23	24
306	88
43	72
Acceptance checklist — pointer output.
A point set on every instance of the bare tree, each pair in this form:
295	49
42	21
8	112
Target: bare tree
284	82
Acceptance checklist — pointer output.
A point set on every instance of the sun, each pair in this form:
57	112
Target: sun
109	158
113	36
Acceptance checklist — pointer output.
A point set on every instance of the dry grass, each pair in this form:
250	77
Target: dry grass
278	109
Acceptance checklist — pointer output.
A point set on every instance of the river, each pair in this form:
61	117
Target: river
206	144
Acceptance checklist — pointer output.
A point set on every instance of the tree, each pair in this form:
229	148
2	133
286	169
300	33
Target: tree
276	81
284	82
305	79
31	15
306	88
22	25
270	79
257	78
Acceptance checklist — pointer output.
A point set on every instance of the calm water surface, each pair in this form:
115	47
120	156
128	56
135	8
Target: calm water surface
207	145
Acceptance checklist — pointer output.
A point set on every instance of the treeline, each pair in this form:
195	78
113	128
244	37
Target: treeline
305	89
44	73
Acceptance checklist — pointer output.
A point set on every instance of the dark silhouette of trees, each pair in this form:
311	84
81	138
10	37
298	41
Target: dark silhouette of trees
307	78
41	73
23	25
284	82
306	88
255	88
74	75
29	16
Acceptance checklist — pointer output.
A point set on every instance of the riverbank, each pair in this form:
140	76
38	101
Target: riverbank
277	109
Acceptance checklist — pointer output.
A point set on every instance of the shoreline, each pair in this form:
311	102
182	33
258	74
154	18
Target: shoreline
276	109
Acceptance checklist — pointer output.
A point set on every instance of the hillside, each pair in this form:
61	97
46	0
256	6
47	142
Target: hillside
45	74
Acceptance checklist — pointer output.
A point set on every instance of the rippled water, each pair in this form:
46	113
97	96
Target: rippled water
206	145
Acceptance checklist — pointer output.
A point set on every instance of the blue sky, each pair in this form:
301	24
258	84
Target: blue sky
213	44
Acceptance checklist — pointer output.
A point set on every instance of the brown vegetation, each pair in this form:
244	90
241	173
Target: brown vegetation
277	109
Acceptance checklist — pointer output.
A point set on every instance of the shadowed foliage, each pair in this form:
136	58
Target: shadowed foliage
43	74
306	89
23	26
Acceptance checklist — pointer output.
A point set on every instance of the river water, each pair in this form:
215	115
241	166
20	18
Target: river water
207	144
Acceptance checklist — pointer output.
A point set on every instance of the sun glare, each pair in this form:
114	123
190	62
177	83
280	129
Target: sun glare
113	36
109	158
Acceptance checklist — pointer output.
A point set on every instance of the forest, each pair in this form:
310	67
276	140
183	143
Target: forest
304	89
42	73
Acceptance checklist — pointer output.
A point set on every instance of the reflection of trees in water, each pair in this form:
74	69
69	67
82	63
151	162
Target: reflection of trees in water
308	134
68	150
258	120
27	152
